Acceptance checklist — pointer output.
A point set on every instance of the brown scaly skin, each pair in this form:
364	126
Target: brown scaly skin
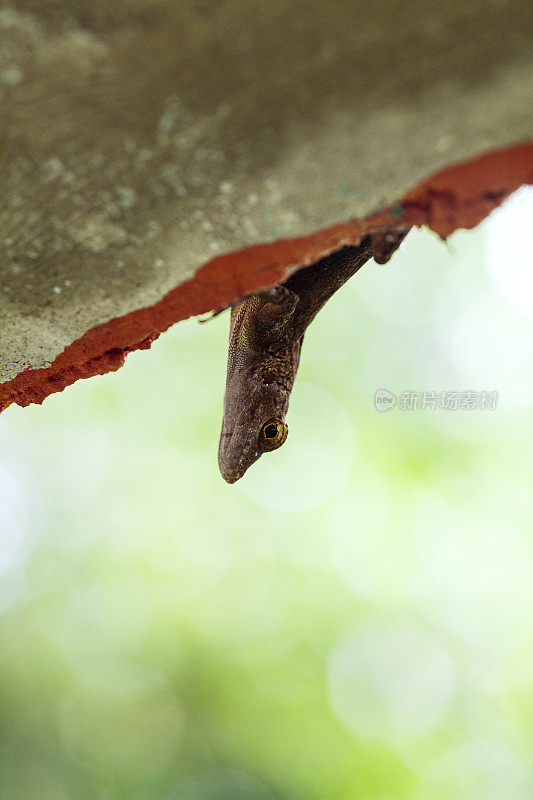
266	334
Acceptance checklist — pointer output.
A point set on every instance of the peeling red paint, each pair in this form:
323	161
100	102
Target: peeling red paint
457	197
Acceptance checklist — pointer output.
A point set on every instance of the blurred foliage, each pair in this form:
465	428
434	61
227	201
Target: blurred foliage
351	621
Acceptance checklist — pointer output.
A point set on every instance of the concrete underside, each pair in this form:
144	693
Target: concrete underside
160	159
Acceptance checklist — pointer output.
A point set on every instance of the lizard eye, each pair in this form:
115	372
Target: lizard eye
273	434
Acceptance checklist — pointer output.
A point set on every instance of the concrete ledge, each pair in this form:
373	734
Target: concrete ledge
459	197
160	158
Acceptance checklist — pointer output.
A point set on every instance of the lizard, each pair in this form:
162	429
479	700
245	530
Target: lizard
265	341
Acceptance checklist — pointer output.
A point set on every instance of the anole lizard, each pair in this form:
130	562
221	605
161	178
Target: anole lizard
265	340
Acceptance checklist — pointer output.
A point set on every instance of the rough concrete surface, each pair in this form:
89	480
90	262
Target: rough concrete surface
140	140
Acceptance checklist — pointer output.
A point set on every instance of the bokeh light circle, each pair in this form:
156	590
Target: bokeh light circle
390	681
13	519
315	461
480	768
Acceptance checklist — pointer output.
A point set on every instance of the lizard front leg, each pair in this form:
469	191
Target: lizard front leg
273	310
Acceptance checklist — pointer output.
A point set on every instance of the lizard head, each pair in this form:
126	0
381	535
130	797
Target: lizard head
253	424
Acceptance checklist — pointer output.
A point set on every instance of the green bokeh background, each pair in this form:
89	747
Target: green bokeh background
351	621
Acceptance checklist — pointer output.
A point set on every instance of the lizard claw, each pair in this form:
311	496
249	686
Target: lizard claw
384	243
212	314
